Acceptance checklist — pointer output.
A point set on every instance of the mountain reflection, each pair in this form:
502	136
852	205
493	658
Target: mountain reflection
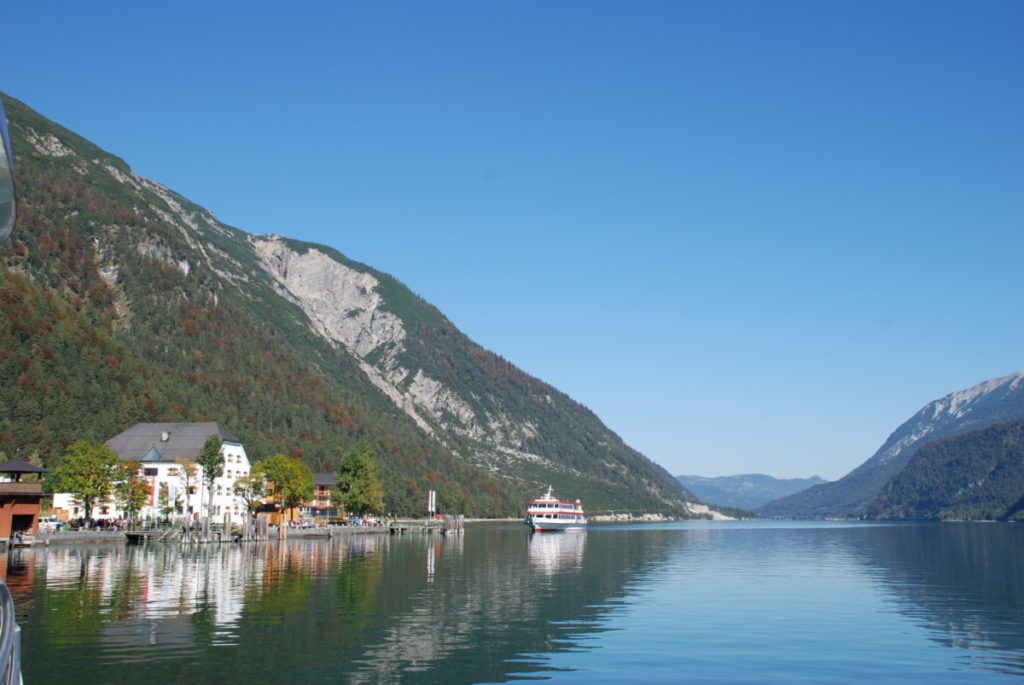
369	608
960	581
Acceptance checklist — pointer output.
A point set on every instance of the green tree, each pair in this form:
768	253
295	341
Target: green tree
188	473
163	498
88	471
251	489
212	462
131	492
359	489
290	480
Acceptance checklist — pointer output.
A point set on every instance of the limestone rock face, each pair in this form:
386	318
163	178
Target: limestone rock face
340	302
344	307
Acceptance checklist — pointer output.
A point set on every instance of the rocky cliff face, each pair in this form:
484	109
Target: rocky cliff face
995	400
345	308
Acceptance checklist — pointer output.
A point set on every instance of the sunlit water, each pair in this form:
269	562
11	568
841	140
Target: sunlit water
695	602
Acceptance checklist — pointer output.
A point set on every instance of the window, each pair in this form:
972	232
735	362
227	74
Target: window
148	471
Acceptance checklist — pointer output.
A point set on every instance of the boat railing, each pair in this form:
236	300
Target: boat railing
10	640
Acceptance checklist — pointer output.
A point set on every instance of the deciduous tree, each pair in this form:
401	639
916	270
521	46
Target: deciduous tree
251	489
188	473
359	489
132	490
290	480
212	462
88	471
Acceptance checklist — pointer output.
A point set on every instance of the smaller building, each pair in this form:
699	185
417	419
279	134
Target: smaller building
19	501
321	507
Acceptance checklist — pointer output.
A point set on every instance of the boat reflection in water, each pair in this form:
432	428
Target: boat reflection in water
551	554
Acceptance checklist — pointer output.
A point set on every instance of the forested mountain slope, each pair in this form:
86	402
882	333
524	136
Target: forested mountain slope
989	402
977	475
121	301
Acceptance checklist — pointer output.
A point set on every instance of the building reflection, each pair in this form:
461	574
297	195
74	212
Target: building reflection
374	608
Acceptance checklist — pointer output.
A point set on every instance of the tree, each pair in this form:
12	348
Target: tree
88	471
212	462
163	499
189	475
290	480
132	491
251	489
359	490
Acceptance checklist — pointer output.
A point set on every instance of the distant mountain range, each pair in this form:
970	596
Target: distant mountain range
991	402
747	491
122	302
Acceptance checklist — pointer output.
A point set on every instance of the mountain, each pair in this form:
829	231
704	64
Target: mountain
122	302
977	475
747	491
993	401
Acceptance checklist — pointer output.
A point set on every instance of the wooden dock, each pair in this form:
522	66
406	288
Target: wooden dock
448	525
139	537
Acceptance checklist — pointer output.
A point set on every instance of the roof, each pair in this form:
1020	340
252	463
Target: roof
144	441
19	466
324	478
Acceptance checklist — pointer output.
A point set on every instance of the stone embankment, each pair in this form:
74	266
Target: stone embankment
77	537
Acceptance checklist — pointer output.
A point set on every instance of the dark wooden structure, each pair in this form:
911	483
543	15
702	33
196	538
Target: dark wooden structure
19	501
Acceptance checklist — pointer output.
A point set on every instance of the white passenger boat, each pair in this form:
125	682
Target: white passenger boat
552	514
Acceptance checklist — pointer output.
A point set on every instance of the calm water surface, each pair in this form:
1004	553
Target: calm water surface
689	602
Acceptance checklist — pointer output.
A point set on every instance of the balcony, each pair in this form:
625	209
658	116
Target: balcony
17	488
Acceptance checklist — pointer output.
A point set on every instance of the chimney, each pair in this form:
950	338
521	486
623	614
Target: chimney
165	436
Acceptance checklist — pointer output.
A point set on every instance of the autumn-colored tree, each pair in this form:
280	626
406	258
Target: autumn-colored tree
132	490
188	474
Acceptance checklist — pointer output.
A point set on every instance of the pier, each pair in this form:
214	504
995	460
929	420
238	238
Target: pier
447	525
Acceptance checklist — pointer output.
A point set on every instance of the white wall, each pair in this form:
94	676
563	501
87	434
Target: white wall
236	465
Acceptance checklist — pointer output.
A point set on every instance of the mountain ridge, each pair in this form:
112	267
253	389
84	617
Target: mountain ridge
744	491
975	475
979	406
169	314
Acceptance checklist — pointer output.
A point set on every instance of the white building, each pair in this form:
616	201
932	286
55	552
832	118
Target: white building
158	446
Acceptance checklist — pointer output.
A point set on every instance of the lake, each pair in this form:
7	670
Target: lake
662	603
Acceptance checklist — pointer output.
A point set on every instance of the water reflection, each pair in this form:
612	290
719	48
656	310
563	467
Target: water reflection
551	553
497	603
373	608
962	582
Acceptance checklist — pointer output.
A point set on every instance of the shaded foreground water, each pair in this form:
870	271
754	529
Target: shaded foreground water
688	602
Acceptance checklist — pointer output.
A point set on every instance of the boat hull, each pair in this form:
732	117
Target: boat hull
554	526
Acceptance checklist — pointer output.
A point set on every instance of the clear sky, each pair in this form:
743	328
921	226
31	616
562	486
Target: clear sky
751	236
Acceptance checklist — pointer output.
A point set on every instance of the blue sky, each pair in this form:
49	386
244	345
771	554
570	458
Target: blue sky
751	236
